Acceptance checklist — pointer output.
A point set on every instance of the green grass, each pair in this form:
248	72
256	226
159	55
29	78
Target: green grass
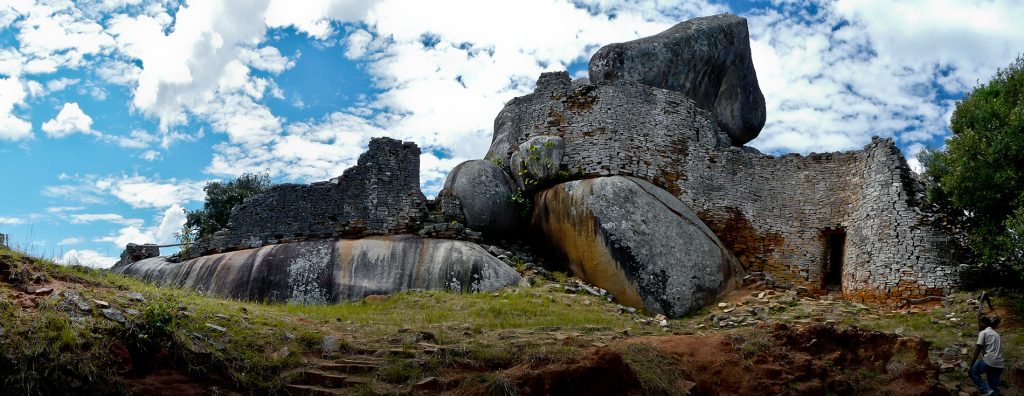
490	311
658	372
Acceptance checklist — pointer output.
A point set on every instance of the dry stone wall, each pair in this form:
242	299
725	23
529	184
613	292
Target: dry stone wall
774	213
379	196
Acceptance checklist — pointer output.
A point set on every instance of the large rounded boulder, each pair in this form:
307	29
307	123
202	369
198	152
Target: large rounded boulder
485	193
707	59
325	271
643	245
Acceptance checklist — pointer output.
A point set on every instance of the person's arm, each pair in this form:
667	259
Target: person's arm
977	351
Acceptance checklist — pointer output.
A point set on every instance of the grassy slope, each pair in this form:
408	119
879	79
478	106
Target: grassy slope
47	350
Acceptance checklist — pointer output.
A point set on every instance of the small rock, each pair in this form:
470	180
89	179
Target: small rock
659	317
663	323
723	305
72	297
280	353
625	309
425	336
216	328
429	384
329	345
221	316
136	296
685	387
131	312
113	315
728	310
40	291
101	303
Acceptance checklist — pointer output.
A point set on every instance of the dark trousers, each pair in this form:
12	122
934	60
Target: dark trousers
992	373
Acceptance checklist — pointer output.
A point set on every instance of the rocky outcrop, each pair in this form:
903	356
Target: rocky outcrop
325	271
484	192
707	59
638	242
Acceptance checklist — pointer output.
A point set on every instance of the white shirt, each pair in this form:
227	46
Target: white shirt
990	341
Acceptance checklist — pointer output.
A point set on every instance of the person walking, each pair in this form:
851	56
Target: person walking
989	346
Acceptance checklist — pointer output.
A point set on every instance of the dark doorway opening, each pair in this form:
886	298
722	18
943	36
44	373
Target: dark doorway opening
835	246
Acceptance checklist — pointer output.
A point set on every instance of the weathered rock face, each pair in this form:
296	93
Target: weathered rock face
537	161
773	213
326	271
638	242
485	193
707	59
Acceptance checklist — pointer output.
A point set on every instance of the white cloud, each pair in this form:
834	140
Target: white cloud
88	258
62	209
60	83
137	139
141	192
171	221
150	155
859	68
57	34
71	241
85	218
12	94
314	16
11	220
268	59
70	120
137	191
182	68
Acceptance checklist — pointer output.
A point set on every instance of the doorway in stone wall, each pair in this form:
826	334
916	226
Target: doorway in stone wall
835	245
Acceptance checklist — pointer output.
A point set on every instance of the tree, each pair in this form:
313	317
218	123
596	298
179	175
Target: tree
980	174
220	198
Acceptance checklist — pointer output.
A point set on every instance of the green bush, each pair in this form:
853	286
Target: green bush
220	198
979	177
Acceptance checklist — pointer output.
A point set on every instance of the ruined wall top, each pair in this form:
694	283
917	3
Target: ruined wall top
379	196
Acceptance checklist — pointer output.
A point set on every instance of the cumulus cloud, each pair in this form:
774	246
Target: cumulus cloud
55	34
171	221
88	258
69	121
141	192
314	17
12	127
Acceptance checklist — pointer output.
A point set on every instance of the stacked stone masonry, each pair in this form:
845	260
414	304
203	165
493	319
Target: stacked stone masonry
774	213
379	196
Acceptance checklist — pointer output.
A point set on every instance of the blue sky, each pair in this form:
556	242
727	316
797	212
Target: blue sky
115	113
